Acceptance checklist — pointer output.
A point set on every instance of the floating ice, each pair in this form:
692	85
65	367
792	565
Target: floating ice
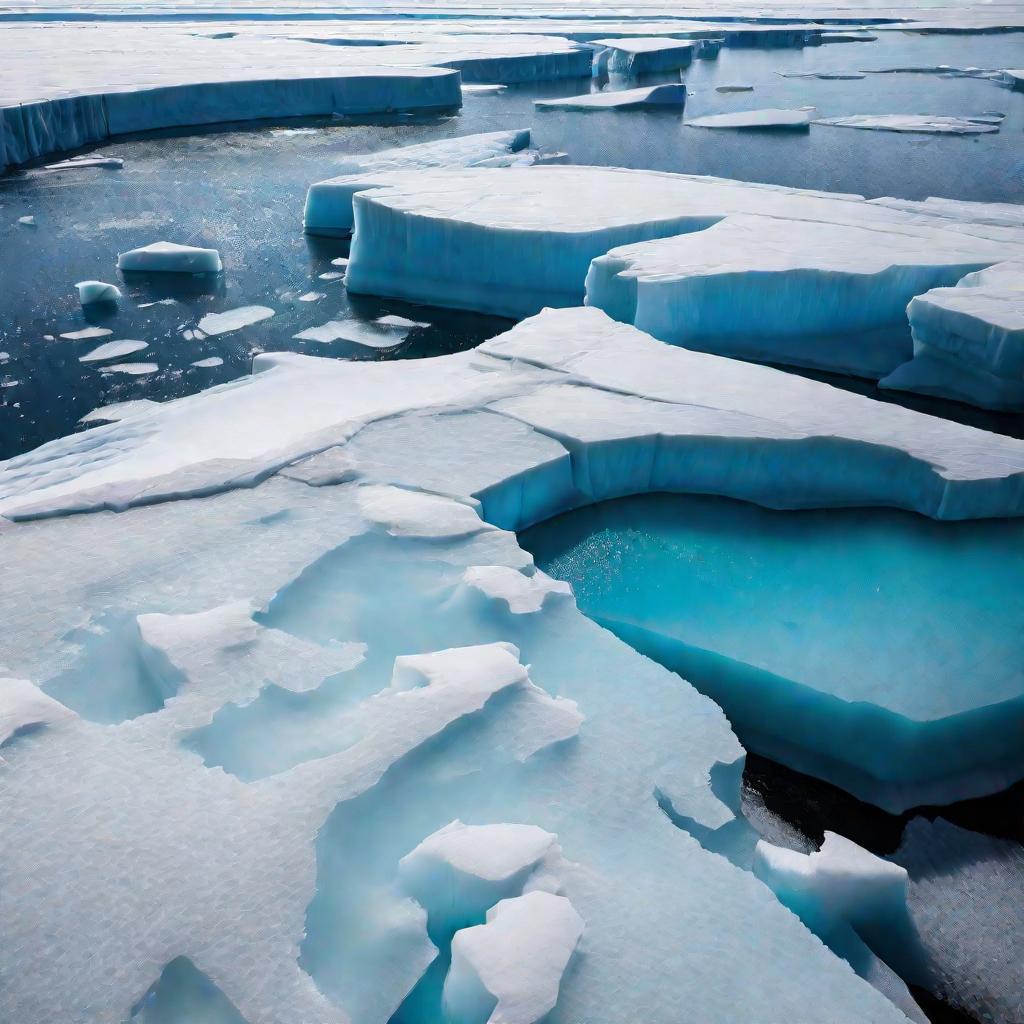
113	350
831	296
734	88
969	340
928	124
482	89
28	220
792	120
97	291
233	319
169	257
657	97
206	364
638	55
399	321
329	203
92	160
331	275
825	76
87	332
131	369
312	297
508	971
354	331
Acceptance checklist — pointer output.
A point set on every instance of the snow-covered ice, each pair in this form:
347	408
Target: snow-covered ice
233	319
522	594
113	350
508	970
355	331
116	411
87	332
97	291
656	97
329	203
208	363
171	257
791	120
131	369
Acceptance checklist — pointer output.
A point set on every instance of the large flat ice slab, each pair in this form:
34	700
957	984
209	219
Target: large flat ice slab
514	240
655	97
767	118
329	203
831	296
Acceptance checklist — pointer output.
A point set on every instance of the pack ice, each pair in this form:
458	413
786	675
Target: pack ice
969	340
663	97
765	272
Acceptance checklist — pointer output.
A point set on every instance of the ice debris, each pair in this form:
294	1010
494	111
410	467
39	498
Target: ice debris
355	331
170	257
86	333
92	160
97	291
927	124
233	319
28	220
209	363
131	369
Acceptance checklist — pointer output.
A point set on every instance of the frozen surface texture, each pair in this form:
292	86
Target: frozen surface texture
969	340
329	203
514	240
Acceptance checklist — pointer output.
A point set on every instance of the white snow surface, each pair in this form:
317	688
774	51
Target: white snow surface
24	706
508	970
171	257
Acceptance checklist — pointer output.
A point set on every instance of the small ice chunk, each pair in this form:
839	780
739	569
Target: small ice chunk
825	76
117	411
340	261
522	594
312	297
671	95
400	321
29	221
233	319
331	275
508	971
97	291
132	369
208	363
170	257
113	350
418	514
24	706
769	117
87	332
4	357
95	160
928	124
158	302
481	89
354	331
734	88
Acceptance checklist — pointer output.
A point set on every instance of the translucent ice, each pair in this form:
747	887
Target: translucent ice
172	258
97	291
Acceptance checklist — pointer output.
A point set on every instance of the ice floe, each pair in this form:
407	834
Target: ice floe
113	350
87	332
355	331
131	369
787	120
927	124
329	203
170	257
97	291
233	319
208	363
116	411
638	55
657	97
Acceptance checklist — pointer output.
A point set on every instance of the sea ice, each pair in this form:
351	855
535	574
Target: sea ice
831	296
354	331
233	319
131	369
522	595
28	220
825	76
928	124
113	350
312	297
638	55
400	321
508	971
169	257
97	291
329	203
792	120
92	160
206	364
656	97
117	411
969	340
734	88
86	333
